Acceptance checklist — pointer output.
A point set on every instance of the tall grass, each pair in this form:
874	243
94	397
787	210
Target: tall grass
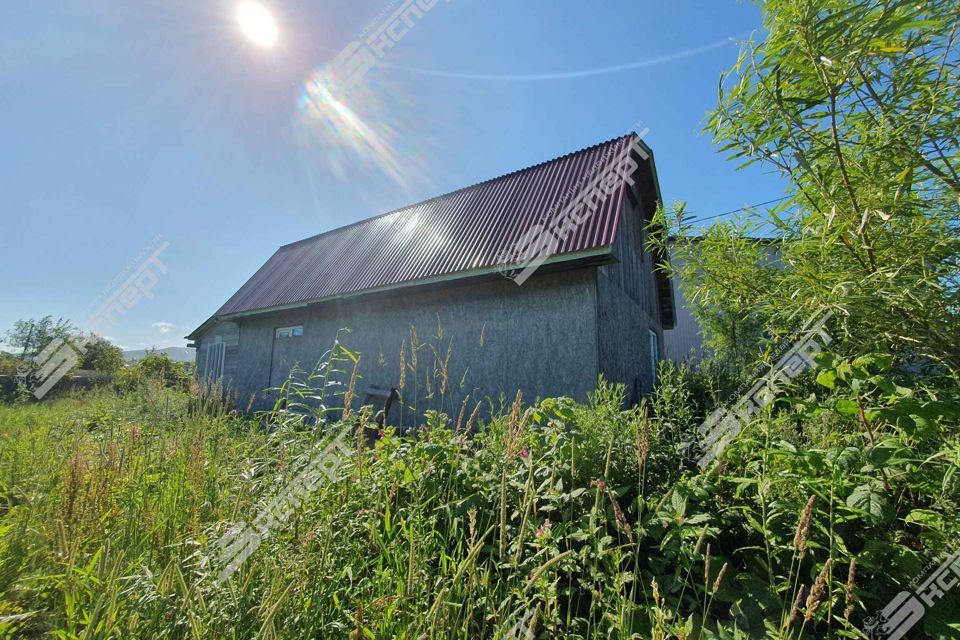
582	521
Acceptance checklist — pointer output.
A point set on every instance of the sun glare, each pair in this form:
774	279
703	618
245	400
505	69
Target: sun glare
257	24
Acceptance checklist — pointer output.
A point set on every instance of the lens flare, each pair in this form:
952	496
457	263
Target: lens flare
257	24
353	129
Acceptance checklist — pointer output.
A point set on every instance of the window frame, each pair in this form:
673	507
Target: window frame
654	354
215	354
293	331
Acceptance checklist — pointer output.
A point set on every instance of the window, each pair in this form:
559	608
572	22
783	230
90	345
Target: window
290	332
654	354
214	354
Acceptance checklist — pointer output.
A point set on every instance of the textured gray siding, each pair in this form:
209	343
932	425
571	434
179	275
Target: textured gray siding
683	343
540	338
627	309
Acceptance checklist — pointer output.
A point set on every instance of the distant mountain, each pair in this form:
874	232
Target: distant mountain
179	354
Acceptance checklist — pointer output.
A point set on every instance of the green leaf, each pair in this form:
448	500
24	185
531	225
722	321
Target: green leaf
925	518
869	499
846	407
827	379
887	452
848	458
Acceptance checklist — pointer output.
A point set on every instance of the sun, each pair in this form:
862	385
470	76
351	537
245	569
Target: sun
257	24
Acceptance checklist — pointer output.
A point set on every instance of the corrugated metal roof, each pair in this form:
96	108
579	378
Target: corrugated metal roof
465	230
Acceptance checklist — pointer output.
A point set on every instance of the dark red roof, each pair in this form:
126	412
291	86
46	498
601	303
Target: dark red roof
463	231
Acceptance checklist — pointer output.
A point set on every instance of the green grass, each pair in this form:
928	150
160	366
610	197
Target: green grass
584	518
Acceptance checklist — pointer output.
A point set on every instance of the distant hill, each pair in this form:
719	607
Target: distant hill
179	354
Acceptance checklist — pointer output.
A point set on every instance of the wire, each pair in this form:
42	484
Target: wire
749	206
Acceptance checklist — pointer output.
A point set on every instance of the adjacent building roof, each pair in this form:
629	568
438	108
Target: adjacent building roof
463	233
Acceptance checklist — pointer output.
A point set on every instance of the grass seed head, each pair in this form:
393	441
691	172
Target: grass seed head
802	535
849	590
817	591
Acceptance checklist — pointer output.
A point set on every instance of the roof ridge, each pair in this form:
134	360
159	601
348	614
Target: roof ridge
456	191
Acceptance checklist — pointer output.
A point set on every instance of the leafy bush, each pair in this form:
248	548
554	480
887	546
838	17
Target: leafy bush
156	366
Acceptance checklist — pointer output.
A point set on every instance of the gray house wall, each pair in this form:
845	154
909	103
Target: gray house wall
487	337
683	343
627	309
540	338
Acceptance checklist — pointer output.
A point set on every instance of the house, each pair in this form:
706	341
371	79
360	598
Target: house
684	341
427	283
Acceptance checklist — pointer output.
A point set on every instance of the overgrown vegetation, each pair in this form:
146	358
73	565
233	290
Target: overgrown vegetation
855	104
577	520
585	520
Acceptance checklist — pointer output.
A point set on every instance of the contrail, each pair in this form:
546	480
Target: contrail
670	57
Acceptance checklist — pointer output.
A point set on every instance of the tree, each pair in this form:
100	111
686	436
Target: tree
159	365
856	104
100	355
30	337
8	364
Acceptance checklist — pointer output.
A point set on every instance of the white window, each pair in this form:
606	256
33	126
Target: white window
290	332
214	354
654	354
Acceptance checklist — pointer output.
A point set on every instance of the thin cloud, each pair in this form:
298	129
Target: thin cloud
639	64
165	327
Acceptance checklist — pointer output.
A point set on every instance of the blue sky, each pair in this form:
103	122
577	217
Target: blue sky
126	121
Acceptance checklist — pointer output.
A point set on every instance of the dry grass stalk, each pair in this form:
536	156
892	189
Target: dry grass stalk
795	610
469	426
414	347
703	536
817	591
463	410
351	389
643	438
803	528
622	523
706	569
720	576
849	590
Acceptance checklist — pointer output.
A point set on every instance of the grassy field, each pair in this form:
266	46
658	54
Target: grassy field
574	521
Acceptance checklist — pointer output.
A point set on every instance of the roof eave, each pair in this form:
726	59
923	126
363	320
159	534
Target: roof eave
599	255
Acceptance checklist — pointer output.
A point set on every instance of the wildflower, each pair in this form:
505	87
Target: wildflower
544	529
524	453
600	484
